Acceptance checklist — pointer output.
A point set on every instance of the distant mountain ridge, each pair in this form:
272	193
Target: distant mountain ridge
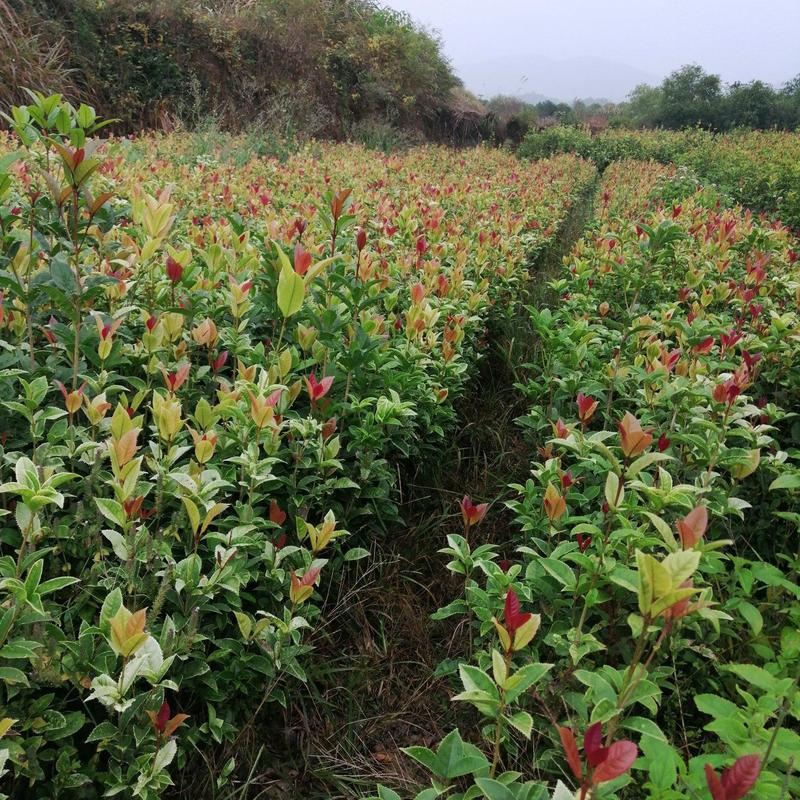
533	98
535	78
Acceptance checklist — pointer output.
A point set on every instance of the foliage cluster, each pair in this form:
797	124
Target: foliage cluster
759	169
650	606
210	372
690	97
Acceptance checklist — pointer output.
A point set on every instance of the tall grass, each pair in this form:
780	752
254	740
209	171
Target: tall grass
27	59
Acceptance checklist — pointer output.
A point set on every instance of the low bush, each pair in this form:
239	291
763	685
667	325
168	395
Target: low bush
556	139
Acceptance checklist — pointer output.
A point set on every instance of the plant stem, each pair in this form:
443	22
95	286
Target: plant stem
498	728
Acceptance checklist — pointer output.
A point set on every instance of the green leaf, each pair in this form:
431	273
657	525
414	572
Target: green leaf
645	461
423	755
6	621
111	510
790	480
105	730
681	565
715	706
356	554
562	572
85	116
654	581
193	513
283	259
454	758
26	474
752	615
646	727
55	584
119	543
523	722
562	792
13	675
494	790
475	679
614	494
523	679
664	530
661	762
164	756
7	160
499	668
601	688
63	276
483	701
19	649
757	676
33	577
245	624
291	291
669	599
111	605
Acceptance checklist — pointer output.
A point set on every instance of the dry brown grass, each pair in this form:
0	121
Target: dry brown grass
27	60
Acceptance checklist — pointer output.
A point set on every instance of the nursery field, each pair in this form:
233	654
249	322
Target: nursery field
236	389
759	169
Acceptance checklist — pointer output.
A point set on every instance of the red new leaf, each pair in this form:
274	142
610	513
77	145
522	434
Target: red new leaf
512	607
571	751
596	754
740	778
276	513
618	761
714	784
513	612
163	716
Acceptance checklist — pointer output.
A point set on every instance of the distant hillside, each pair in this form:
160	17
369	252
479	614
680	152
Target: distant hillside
534	99
310	66
535	78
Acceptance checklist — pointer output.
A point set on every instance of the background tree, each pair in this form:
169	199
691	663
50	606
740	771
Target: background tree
789	104
750	105
643	108
690	96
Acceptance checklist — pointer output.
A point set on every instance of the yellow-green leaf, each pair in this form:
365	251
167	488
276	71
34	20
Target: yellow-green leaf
681	565
291	291
213	512
191	510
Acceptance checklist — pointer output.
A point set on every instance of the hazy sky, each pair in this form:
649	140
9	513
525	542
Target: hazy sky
737	39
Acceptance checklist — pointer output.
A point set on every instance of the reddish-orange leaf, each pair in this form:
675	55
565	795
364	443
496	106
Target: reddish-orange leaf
571	751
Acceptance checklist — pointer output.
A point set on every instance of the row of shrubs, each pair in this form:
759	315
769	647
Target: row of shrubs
638	637
210	372
759	169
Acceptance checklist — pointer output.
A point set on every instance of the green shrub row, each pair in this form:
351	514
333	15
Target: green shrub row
759	169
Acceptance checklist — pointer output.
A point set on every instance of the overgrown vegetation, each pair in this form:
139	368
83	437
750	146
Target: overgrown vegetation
690	97
296	69
293	67
218	372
